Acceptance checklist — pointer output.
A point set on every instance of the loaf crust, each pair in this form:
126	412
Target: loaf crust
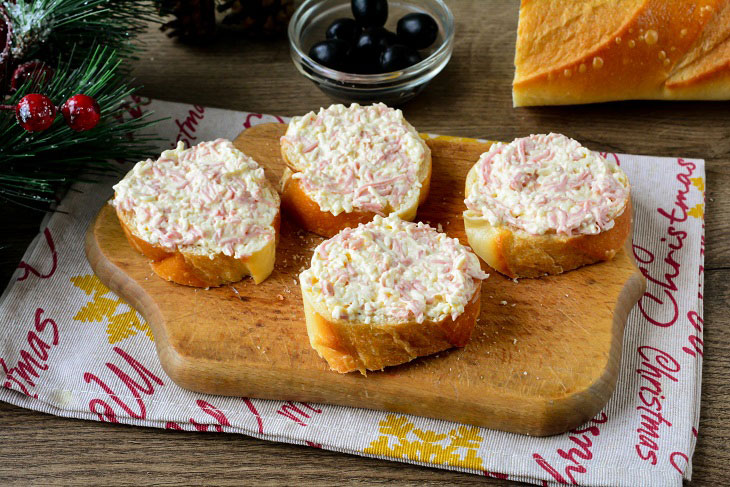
196	270
348	346
516	253
306	212
594	51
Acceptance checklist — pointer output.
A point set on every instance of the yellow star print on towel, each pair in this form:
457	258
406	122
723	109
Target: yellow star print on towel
457	448
103	307
698	211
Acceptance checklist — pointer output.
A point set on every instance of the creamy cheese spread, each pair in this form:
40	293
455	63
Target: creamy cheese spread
208	199
357	158
392	271
547	184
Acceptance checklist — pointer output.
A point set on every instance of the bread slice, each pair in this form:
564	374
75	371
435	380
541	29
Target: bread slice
191	268
370	124
379	295
306	212
349	346
515	252
204	216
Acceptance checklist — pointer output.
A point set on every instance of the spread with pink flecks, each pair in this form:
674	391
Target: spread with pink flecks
208	199
357	158
547	184
392	271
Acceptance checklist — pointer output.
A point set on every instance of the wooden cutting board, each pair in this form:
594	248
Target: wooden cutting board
543	358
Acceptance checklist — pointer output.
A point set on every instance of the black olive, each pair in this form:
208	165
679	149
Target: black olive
368	47
398	57
343	29
370	13
332	53
417	30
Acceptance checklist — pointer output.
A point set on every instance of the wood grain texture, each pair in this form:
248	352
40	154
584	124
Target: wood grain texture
472	98
543	358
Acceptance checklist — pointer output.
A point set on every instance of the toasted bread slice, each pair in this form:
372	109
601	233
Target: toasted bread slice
387	292
196	270
305	211
204	216
318	139
349	346
515	252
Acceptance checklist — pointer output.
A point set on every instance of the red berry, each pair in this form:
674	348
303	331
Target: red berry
35	112
32	70
81	112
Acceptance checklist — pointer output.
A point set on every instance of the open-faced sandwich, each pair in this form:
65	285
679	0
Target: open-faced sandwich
347	164
205	216
389	291
544	204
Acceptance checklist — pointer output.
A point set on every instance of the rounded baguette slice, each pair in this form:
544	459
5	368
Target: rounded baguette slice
388	291
543	205
204	216
347	164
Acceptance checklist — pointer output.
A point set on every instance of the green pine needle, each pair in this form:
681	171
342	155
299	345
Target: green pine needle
47	29
35	168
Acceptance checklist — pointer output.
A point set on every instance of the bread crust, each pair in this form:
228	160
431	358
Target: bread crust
348	346
686	56
516	253
190	269
306	212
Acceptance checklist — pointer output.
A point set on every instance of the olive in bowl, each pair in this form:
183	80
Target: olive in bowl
368	48
397	57
370	13
344	29
417	30
352	80
332	53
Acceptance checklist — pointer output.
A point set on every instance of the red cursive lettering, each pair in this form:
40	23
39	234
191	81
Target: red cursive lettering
29	269
255	412
291	411
189	125
30	365
220	418
656	365
667	312
581	452
145	387
248	123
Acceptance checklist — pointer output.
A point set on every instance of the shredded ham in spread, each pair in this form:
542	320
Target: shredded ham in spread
208	199
366	158
392	271
547	184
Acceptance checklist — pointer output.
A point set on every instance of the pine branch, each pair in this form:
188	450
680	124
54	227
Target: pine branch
47	29
35	166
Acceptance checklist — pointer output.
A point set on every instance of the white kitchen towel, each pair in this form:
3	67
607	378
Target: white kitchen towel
70	347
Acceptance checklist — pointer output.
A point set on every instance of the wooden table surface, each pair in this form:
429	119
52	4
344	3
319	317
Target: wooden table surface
471	98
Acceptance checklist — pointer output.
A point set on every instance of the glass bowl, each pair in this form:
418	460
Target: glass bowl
307	27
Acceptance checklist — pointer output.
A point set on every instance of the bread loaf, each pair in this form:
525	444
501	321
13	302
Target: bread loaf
571	52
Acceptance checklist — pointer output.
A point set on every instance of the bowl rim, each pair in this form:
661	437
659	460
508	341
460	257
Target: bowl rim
346	80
